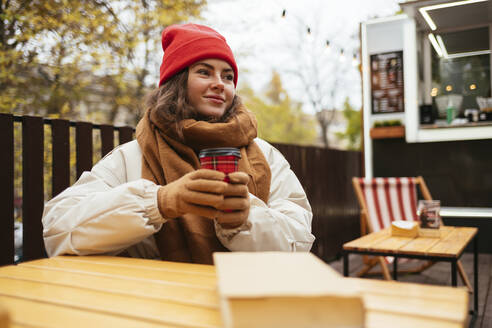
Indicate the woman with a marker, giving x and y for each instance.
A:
(149, 198)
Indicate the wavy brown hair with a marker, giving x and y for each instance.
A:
(171, 102)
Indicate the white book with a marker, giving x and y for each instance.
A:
(279, 289)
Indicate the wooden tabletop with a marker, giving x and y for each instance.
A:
(101, 291)
(451, 244)
(398, 304)
(109, 292)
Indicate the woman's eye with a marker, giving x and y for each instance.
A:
(202, 71)
(229, 77)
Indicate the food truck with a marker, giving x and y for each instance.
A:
(427, 106)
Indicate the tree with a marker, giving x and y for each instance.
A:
(64, 58)
(279, 118)
(321, 72)
(317, 57)
(353, 131)
(147, 20)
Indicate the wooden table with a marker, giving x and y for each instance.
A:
(449, 247)
(122, 292)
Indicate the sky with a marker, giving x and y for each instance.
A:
(262, 41)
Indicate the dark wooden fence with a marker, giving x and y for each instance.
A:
(33, 173)
(324, 173)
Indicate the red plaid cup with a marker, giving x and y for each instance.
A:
(220, 159)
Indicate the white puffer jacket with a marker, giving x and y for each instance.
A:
(111, 208)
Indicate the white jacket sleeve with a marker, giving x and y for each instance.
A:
(282, 224)
(101, 212)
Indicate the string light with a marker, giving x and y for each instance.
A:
(327, 48)
(342, 56)
(355, 62)
(328, 44)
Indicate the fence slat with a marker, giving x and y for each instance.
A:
(126, 134)
(60, 131)
(7, 189)
(107, 139)
(83, 146)
(32, 187)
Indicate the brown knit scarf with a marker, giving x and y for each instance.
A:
(166, 158)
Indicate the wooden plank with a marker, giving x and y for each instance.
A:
(107, 139)
(419, 245)
(166, 291)
(410, 290)
(7, 190)
(368, 240)
(446, 231)
(454, 244)
(125, 134)
(140, 308)
(391, 245)
(32, 187)
(450, 310)
(83, 147)
(27, 313)
(378, 319)
(129, 272)
(60, 130)
(138, 263)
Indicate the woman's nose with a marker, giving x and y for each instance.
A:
(217, 83)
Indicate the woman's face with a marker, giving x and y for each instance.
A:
(211, 87)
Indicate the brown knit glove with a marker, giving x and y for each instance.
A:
(234, 210)
(199, 192)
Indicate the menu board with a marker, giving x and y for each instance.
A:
(387, 82)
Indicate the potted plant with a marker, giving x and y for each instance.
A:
(387, 129)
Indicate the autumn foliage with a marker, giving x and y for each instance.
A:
(85, 59)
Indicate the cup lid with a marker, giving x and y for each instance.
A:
(222, 151)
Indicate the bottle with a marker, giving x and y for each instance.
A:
(449, 113)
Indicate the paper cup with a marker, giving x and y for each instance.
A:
(220, 159)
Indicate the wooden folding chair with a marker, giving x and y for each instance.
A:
(383, 200)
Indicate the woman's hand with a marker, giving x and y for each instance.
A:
(234, 210)
(199, 192)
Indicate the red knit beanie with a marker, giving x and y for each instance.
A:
(186, 44)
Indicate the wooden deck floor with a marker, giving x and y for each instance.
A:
(440, 274)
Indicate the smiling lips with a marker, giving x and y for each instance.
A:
(215, 99)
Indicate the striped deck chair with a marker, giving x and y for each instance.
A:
(383, 200)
